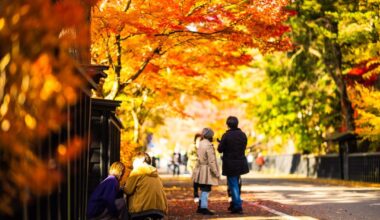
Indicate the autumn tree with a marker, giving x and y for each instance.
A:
(363, 86)
(342, 34)
(159, 50)
(37, 83)
(294, 101)
(361, 34)
(301, 94)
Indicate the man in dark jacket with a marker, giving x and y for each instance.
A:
(233, 145)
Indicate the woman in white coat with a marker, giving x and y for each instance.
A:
(206, 173)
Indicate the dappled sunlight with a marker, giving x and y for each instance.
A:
(182, 206)
(295, 193)
(298, 75)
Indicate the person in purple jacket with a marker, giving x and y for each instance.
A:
(107, 202)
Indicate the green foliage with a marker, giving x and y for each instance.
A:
(296, 101)
(301, 95)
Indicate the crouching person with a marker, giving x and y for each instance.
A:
(107, 202)
(144, 190)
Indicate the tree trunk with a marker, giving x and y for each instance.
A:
(333, 62)
(116, 85)
(136, 127)
(347, 109)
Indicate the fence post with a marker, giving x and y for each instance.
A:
(347, 144)
(105, 140)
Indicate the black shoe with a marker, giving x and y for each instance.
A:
(230, 207)
(199, 209)
(236, 211)
(206, 212)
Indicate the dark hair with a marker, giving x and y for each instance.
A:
(232, 122)
(197, 135)
(146, 157)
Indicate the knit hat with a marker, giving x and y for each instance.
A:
(207, 133)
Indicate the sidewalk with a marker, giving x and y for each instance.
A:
(299, 178)
(268, 196)
(181, 205)
(321, 198)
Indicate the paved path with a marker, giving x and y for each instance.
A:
(182, 206)
(320, 200)
(268, 197)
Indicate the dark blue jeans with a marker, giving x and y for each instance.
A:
(233, 184)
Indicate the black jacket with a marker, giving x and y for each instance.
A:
(233, 145)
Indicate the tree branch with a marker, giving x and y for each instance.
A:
(195, 9)
(118, 66)
(192, 32)
(128, 5)
(139, 71)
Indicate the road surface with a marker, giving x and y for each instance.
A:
(317, 199)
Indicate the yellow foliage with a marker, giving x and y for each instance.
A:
(367, 106)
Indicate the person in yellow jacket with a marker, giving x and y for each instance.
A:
(144, 190)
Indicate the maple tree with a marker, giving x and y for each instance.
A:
(40, 43)
(367, 108)
(160, 50)
(363, 86)
(151, 36)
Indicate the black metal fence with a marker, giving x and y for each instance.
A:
(105, 141)
(363, 167)
(69, 199)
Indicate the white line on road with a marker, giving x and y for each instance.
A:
(286, 216)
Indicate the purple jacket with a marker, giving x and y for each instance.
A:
(104, 197)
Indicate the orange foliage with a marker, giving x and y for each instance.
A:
(167, 48)
(188, 38)
(365, 73)
(37, 82)
(70, 150)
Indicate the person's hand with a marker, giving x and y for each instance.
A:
(220, 181)
(122, 187)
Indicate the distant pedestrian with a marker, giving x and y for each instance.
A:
(260, 161)
(185, 159)
(193, 163)
(107, 202)
(233, 145)
(206, 174)
(144, 190)
(154, 161)
(176, 163)
(250, 161)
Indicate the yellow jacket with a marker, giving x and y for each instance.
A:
(145, 192)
